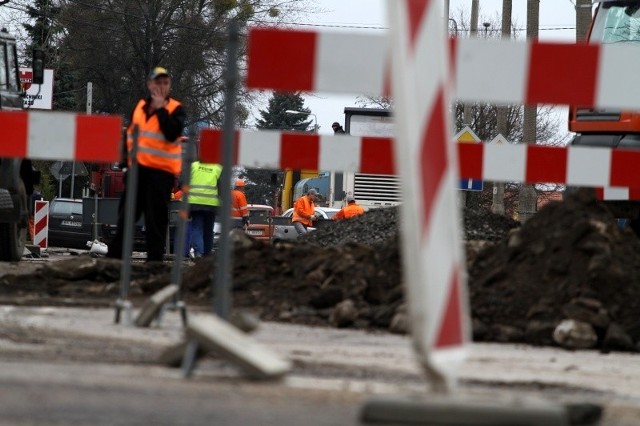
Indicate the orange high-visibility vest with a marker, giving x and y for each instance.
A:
(349, 211)
(153, 149)
(239, 206)
(303, 209)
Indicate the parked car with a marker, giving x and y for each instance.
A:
(260, 228)
(321, 212)
(284, 230)
(66, 227)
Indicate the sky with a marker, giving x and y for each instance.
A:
(348, 15)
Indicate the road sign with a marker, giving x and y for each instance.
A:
(466, 135)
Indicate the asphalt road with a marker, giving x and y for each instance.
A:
(76, 366)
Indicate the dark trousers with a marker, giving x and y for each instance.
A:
(202, 222)
(152, 200)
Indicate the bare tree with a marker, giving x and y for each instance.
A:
(528, 197)
(115, 43)
(497, 205)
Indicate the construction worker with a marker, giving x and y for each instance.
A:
(352, 209)
(203, 205)
(337, 128)
(304, 211)
(239, 206)
(160, 120)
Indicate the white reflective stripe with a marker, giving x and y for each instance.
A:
(153, 135)
(212, 187)
(201, 195)
(159, 152)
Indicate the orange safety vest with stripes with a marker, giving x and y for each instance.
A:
(239, 206)
(154, 150)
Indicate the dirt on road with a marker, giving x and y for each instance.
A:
(569, 262)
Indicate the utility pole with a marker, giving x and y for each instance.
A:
(466, 116)
(528, 196)
(497, 204)
(583, 19)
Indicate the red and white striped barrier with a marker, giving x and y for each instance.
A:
(282, 150)
(44, 135)
(618, 193)
(41, 224)
(432, 253)
(294, 60)
(578, 166)
(529, 72)
(613, 168)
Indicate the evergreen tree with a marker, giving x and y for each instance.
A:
(276, 117)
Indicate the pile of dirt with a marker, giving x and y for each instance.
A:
(569, 262)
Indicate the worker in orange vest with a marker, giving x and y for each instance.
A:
(352, 209)
(239, 205)
(304, 211)
(160, 120)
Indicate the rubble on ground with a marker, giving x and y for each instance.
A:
(566, 277)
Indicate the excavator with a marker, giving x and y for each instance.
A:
(17, 176)
(613, 22)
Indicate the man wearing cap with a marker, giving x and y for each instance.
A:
(304, 211)
(337, 128)
(352, 209)
(160, 122)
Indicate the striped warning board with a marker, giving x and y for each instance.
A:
(41, 224)
(432, 254)
(46, 135)
(575, 165)
(323, 61)
(578, 166)
(282, 150)
(347, 63)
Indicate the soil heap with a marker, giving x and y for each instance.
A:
(570, 261)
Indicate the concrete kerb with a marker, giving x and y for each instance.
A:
(435, 410)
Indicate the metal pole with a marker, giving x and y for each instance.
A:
(89, 97)
(222, 283)
(129, 220)
(182, 217)
(73, 179)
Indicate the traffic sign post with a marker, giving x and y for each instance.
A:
(466, 135)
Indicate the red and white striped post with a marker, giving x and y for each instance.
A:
(41, 224)
(432, 252)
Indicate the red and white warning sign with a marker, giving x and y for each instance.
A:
(432, 253)
(41, 224)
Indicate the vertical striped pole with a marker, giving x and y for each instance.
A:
(427, 162)
(41, 224)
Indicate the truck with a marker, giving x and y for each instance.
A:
(613, 22)
(106, 180)
(370, 190)
(17, 176)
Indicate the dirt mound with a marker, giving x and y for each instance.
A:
(569, 262)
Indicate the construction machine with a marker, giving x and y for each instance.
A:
(17, 176)
(613, 22)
